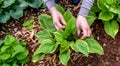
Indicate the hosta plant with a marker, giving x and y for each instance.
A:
(14, 8)
(64, 40)
(109, 12)
(13, 52)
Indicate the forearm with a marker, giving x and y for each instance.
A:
(50, 3)
(85, 7)
(84, 10)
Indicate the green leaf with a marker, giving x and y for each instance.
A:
(101, 5)
(23, 43)
(4, 48)
(35, 3)
(111, 28)
(5, 64)
(60, 9)
(42, 16)
(94, 46)
(67, 15)
(64, 46)
(80, 46)
(22, 3)
(112, 8)
(28, 22)
(91, 17)
(37, 57)
(111, 1)
(4, 17)
(1, 1)
(118, 18)
(43, 34)
(16, 12)
(25, 60)
(71, 26)
(59, 37)
(4, 56)
(46, 23)
(8, 39)
(64, 57)
(18, 49)
(62, 32)
(15, 64)
(7, 3)
(49, 44)
(22, 55)
(30, 27)
(95, 7)
(106, 15)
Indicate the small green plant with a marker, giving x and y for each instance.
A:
(14, 8)
(13, 52)
(109, 13)
(28, 24)
(50, 39)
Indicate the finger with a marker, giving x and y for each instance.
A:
(58, 26)
(78, 29)
(85, 34)
(89, 32)
(78, 32)
(62, 20)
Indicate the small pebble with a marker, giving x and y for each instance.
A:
(117, 59)
(104, 44)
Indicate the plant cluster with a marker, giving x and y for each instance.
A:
(28, 24)
(13, 52)
(109, 12)
(63, 41)
(14, 8)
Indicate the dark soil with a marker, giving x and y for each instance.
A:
(111, 46)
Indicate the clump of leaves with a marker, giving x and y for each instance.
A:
(109, 13)
(14, 8)
(50, 39)
(13, 52)
(28, 24)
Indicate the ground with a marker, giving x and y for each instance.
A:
(111, 46)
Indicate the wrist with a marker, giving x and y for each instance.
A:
(52, 9)
(80, 16)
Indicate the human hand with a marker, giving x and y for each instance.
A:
(83, 26)
(58, 19)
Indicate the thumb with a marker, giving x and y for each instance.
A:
(78, 31)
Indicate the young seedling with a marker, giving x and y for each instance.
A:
(28, 24)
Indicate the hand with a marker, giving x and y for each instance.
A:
(58, 19)
(83, 26)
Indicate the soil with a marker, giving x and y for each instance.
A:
(111, 46)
